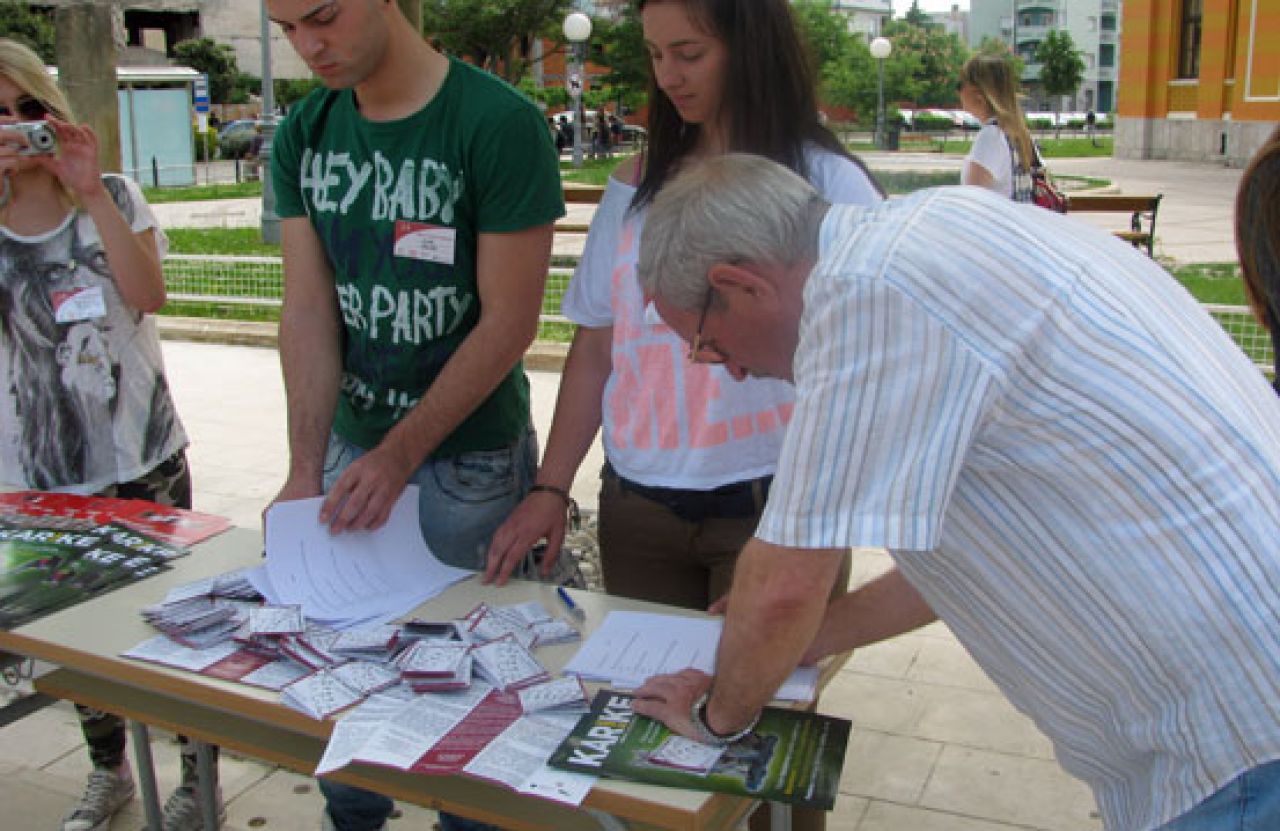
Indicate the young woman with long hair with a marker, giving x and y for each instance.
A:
(690, 450)
(1003, 153)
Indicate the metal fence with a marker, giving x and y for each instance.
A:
(1240, 324)
(225, 282)
(229, 283)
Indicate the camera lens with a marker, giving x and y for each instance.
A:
(41, 139)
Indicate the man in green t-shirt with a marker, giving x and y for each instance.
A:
(417, 196)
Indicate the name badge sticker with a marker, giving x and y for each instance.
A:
(419, 241)
(79, 304)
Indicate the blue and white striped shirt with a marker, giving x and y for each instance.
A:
(1072, 463)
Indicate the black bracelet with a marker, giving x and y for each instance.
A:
(560, 492)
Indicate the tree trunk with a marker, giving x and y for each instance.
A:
(86, 50)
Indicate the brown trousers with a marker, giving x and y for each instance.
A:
(649, 553)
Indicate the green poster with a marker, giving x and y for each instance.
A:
(791, 756)
(47, 564)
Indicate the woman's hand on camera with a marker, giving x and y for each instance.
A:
(76, 161)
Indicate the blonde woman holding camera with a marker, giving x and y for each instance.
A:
(84, 404)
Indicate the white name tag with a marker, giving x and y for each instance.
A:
(419, 241)
(81, 304)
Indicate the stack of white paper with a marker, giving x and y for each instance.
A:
(355, 577)
(631, 646)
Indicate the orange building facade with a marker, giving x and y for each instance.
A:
(1199, 79)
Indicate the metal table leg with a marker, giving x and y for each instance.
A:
(146, 773)
(206, 781)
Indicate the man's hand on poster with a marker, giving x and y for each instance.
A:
(669, 699)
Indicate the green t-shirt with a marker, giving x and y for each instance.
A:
(398, 206)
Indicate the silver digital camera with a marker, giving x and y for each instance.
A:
(41, 140)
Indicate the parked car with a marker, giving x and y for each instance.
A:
(237, 136)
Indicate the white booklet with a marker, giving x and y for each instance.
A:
(628, 647)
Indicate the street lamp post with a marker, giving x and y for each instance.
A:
(880, 49)
(577, 28)
(270, 219)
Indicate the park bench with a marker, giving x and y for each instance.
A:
(1141, 232)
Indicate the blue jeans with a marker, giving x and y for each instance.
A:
(462, 501)
(1250, 802)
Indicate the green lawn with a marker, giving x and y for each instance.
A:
(201, 193)
(592, 172)
(236, 241)
(1217, 283)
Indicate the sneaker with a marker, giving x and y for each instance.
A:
(182, 811)
(105, 793)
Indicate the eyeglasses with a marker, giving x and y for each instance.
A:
(28, 108)
(704, 351)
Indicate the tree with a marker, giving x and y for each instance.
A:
(940, 55)
(1061, 69)
(289, 90)
(218, 61)
(917, 17)
(825, 33)
(494, 34)
(20, 22)
(623, 51)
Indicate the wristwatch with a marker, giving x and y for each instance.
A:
(698, 715)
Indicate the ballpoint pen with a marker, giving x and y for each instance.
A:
(573, 608)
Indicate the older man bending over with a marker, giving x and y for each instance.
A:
(1069, 461)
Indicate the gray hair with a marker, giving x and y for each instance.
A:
(735, 208)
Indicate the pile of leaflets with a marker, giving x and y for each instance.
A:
(220, 627)
(49, 562)
(436, 665)
(528, 623)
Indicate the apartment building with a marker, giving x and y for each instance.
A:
(1094, 26)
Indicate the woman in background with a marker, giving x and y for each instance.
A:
(1003, 154)
(87, 408)
(1258, 238)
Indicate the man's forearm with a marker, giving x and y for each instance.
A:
(311, 363)
(578, 406)
(470, 376)
(883, 608)
(776, 605)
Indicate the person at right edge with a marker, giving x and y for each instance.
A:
(1003, 153)
(417, 197)
(1258, 239)
(690, 454)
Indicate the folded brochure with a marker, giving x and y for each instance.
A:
(791, 756)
